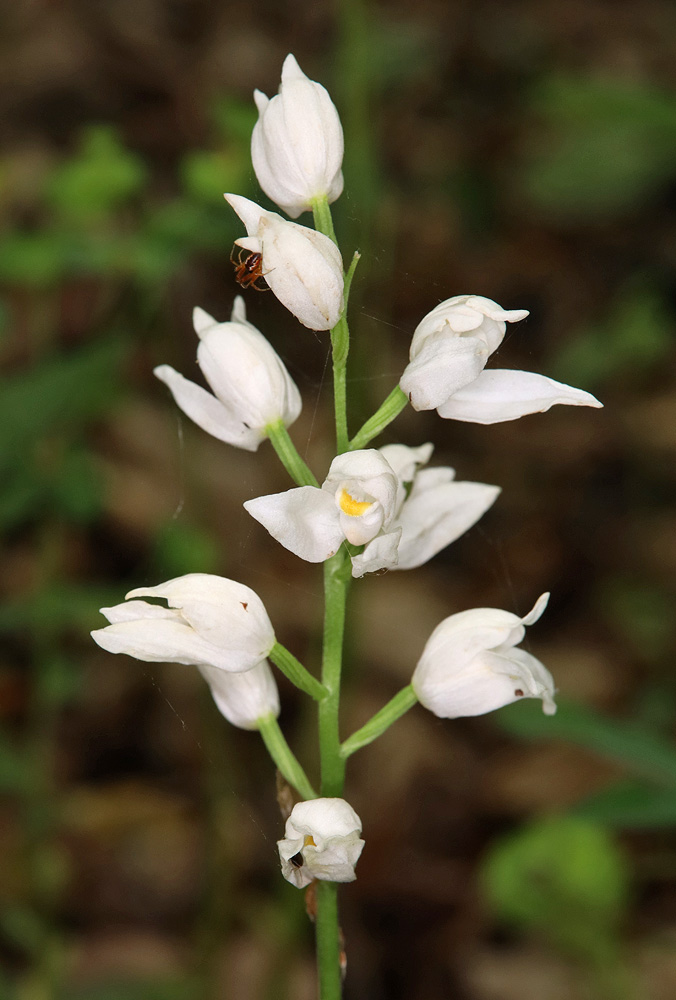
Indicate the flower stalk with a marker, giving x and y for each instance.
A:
(388, 411)
(283, 756)
(294, 670)
(381, 721)
(297, 468)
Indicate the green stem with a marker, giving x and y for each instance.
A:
(288, 455)
(384, 415)
(321, 214)
(337, 577)
(296, 672)
(382, 720)
(328, 942)
(281, 753)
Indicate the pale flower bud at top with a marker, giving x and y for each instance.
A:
(303, 268)
(321, 841)
(251, 386)
(297, 143)
(448, 354)
(470, 664)
(210, 622)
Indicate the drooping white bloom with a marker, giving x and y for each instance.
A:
(380, 500)
(250, 383)
(297, 143)
(302, 267)
(470, 664)
(449, 351)
(246, 697)
(321, 840)
(210, 622)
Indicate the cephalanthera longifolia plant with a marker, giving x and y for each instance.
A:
(376, 508)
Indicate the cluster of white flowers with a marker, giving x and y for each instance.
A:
(393, 513)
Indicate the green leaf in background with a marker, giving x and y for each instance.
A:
(66, 390)
(101, 177)
(634, 746)
(562, 877)
(603, 146)
(233, 119)
(629, 805)
(143, 989)
(181, 548)
(207, 174)
(14, 767)
(641, 613)
(58, 608)
(35, 260)
(636, 335)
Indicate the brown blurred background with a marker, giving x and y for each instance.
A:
(520, 150)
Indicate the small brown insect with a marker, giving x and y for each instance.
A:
(248, 269)
(297, 860)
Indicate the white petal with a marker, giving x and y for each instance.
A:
(322, 819)
(249, 212)
(536, 612)
(244, 698)
(497, 395)
(223, 612)
(163, 641)
(404, 461)
(305, 520)
(304, 269)
(248, 376)
(366, 475)
(208, 412)
(201, 320)
(381, 553)
(442, 367)
(431, 519)
(132, 611)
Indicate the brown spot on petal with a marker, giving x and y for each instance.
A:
(245, 604)
(518, 693)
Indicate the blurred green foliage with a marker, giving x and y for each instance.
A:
(562, 878)
(602, 146)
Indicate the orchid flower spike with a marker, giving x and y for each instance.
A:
(251, 387)
(378, 499)
(297, 143)
(470, 664)
(246, 697)
(321, 840)
(302, 267)
(210, 622)
(448, 354)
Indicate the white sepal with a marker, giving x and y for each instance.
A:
(210, 621)
(244, 698)
(297, 143)
(498, 395)
(321, 841)
(470, 665)
(251, 385)
(303, 268)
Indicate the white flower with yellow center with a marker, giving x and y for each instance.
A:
(321, 841)
(377, 499)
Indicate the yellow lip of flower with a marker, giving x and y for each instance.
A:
(309, 841)
(352, 507)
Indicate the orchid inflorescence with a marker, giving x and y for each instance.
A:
(377, 508)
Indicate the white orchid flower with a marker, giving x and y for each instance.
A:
(321, 841)
(449, 351)
(367, 499)
(210, 622)
(251, 387)
(297, 143)
(470, 664)
(303, 268)
(244, 698)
